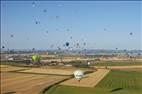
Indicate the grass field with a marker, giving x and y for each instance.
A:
(118, 63)
(116, 82)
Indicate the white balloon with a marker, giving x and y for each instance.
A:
(78, 74)
(88, 63)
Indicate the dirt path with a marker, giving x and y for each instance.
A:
(91, 80)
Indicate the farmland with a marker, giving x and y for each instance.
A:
(28, 80)
(26, 83)
(118, 63)
(90, 80)
(7, 68)
(48, 71)
(116, 82)
(120, 77)
(23, 83)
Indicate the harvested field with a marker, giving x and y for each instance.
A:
(26, 83)
(7, 68)
(53, 70)
(48, 71)
(91, 80)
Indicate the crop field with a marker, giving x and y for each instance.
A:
(68, 71)
(18, 83)
(116, 82)
(118, 63)
(8, 68)
(120, 67)
(48, 71)
(126, 79)
(90, 80)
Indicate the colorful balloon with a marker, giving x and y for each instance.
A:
(36, 58)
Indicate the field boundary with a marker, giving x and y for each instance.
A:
(91, 80)
(47, 88)
(39, 73)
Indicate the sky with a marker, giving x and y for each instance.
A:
(91, 24)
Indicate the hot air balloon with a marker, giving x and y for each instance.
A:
(11, 36)
(36, 58)
(68, 29)
(44, 10)
(33, 4)
(3, 47)
(105, 29)
(57, 17)
(52, 46)
(37, 22)
(131, 33)
(67, 44)
(79, 74)
(33, 49)
(77, 45)
(71, 37)
(88, 63)
(84, 43)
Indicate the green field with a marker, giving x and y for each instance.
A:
(116, 82)
(117, 63)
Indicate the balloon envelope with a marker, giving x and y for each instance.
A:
(11, 35)
(67, 43)
(78, 74)
(131, 33)
(36, 58)
(3, 47)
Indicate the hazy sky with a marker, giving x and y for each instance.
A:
(101, 25)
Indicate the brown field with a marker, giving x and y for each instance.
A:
(20, 83)
(22, 80)
(34, 80)
(48, 71)
(53, 70)
(7, 68)
(91, 80)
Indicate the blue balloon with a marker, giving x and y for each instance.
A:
(131, 33)
(67, 43)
